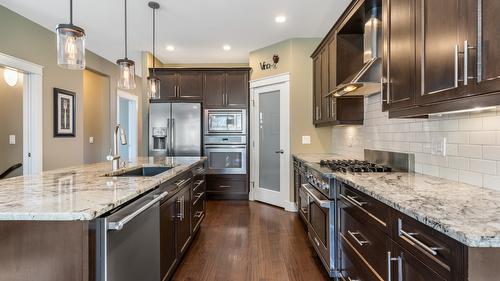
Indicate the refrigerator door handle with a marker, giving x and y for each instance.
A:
(173, 136)
(167, 145)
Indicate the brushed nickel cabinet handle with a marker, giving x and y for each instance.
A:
(354, 236)
(411, 237)
(355, 201)
(390, 259)
(456, 66)
(224, 186)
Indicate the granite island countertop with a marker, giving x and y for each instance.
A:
(467, 213)
(81, 192)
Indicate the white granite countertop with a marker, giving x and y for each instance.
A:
(81, 192)
(466, 213)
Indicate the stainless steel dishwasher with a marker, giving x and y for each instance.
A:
(129, 241)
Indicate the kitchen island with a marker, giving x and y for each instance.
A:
(454, 227)
(51, 224)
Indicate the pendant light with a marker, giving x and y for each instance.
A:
(153, 80)
(127, 67)
(70, 44)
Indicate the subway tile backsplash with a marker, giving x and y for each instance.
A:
(472, 142)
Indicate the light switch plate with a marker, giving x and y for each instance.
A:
(91, 139)
(12, 139)
(306, 139)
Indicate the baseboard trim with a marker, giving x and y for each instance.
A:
(290, 206)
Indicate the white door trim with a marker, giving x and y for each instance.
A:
(282, 83)
(122, 94)
(32, 112)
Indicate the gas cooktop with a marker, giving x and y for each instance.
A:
(357, 166)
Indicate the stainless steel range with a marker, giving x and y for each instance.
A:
(317, 197)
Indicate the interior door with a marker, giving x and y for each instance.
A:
(270, 145)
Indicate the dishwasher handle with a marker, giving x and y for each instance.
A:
(118, 225)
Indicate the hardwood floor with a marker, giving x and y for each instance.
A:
(241, 240)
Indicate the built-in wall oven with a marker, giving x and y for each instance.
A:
(226, 154)
(225, 121)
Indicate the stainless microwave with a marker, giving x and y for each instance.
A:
(225, 121)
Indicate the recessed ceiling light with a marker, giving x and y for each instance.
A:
(280, 19)
(226, 47)
(170, 48)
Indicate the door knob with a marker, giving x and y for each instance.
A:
(281, 151)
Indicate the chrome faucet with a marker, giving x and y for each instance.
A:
(115, 157)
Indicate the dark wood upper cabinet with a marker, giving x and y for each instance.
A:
(317, 90)
(437, 44)
(483, 41)
(190, 85)
(237, 89)
(399, 53)
(457, 64)
(226, 89)
(214, 88)
(168, 85)
(325, 85)
(179, 85)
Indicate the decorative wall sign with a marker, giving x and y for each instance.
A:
(64, 113)
(267, 65)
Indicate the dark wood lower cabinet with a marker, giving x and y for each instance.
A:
(168, 255)
(227, 187)
(404, 250)
(184, 220)
(407, 267)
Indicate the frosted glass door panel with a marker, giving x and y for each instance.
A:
(269, 140)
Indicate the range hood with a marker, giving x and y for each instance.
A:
(366, 81)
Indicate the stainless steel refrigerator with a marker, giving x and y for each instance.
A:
(175, 129)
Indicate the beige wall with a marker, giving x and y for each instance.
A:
(204, 65)
(11, 116)
(26, 40)
(295, 59)
(96, 116)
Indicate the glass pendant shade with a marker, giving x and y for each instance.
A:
(153, 88)
(127, 74)
(70, 47)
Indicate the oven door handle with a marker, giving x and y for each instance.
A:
(227, 146)
(322, 203)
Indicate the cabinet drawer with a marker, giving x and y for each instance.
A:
(198, 213)
(371, 243)
(199, 185)
(364, 208)
(226, 185)
(353, 267)
(437, 250)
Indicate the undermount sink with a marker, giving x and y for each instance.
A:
(141, 172)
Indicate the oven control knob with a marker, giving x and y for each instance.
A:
(325, 186)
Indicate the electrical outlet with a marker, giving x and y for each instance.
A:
(438, 146)
(12, 139)
(91, 139)
(351, 141)
(306, 139)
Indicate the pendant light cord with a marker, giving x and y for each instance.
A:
(126, 39)
(71, 12)
(154, 39)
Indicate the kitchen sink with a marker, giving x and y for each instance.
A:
(141, 172)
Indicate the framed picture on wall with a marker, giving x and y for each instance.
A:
(64, 113)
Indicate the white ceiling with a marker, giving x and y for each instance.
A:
(197, 28)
